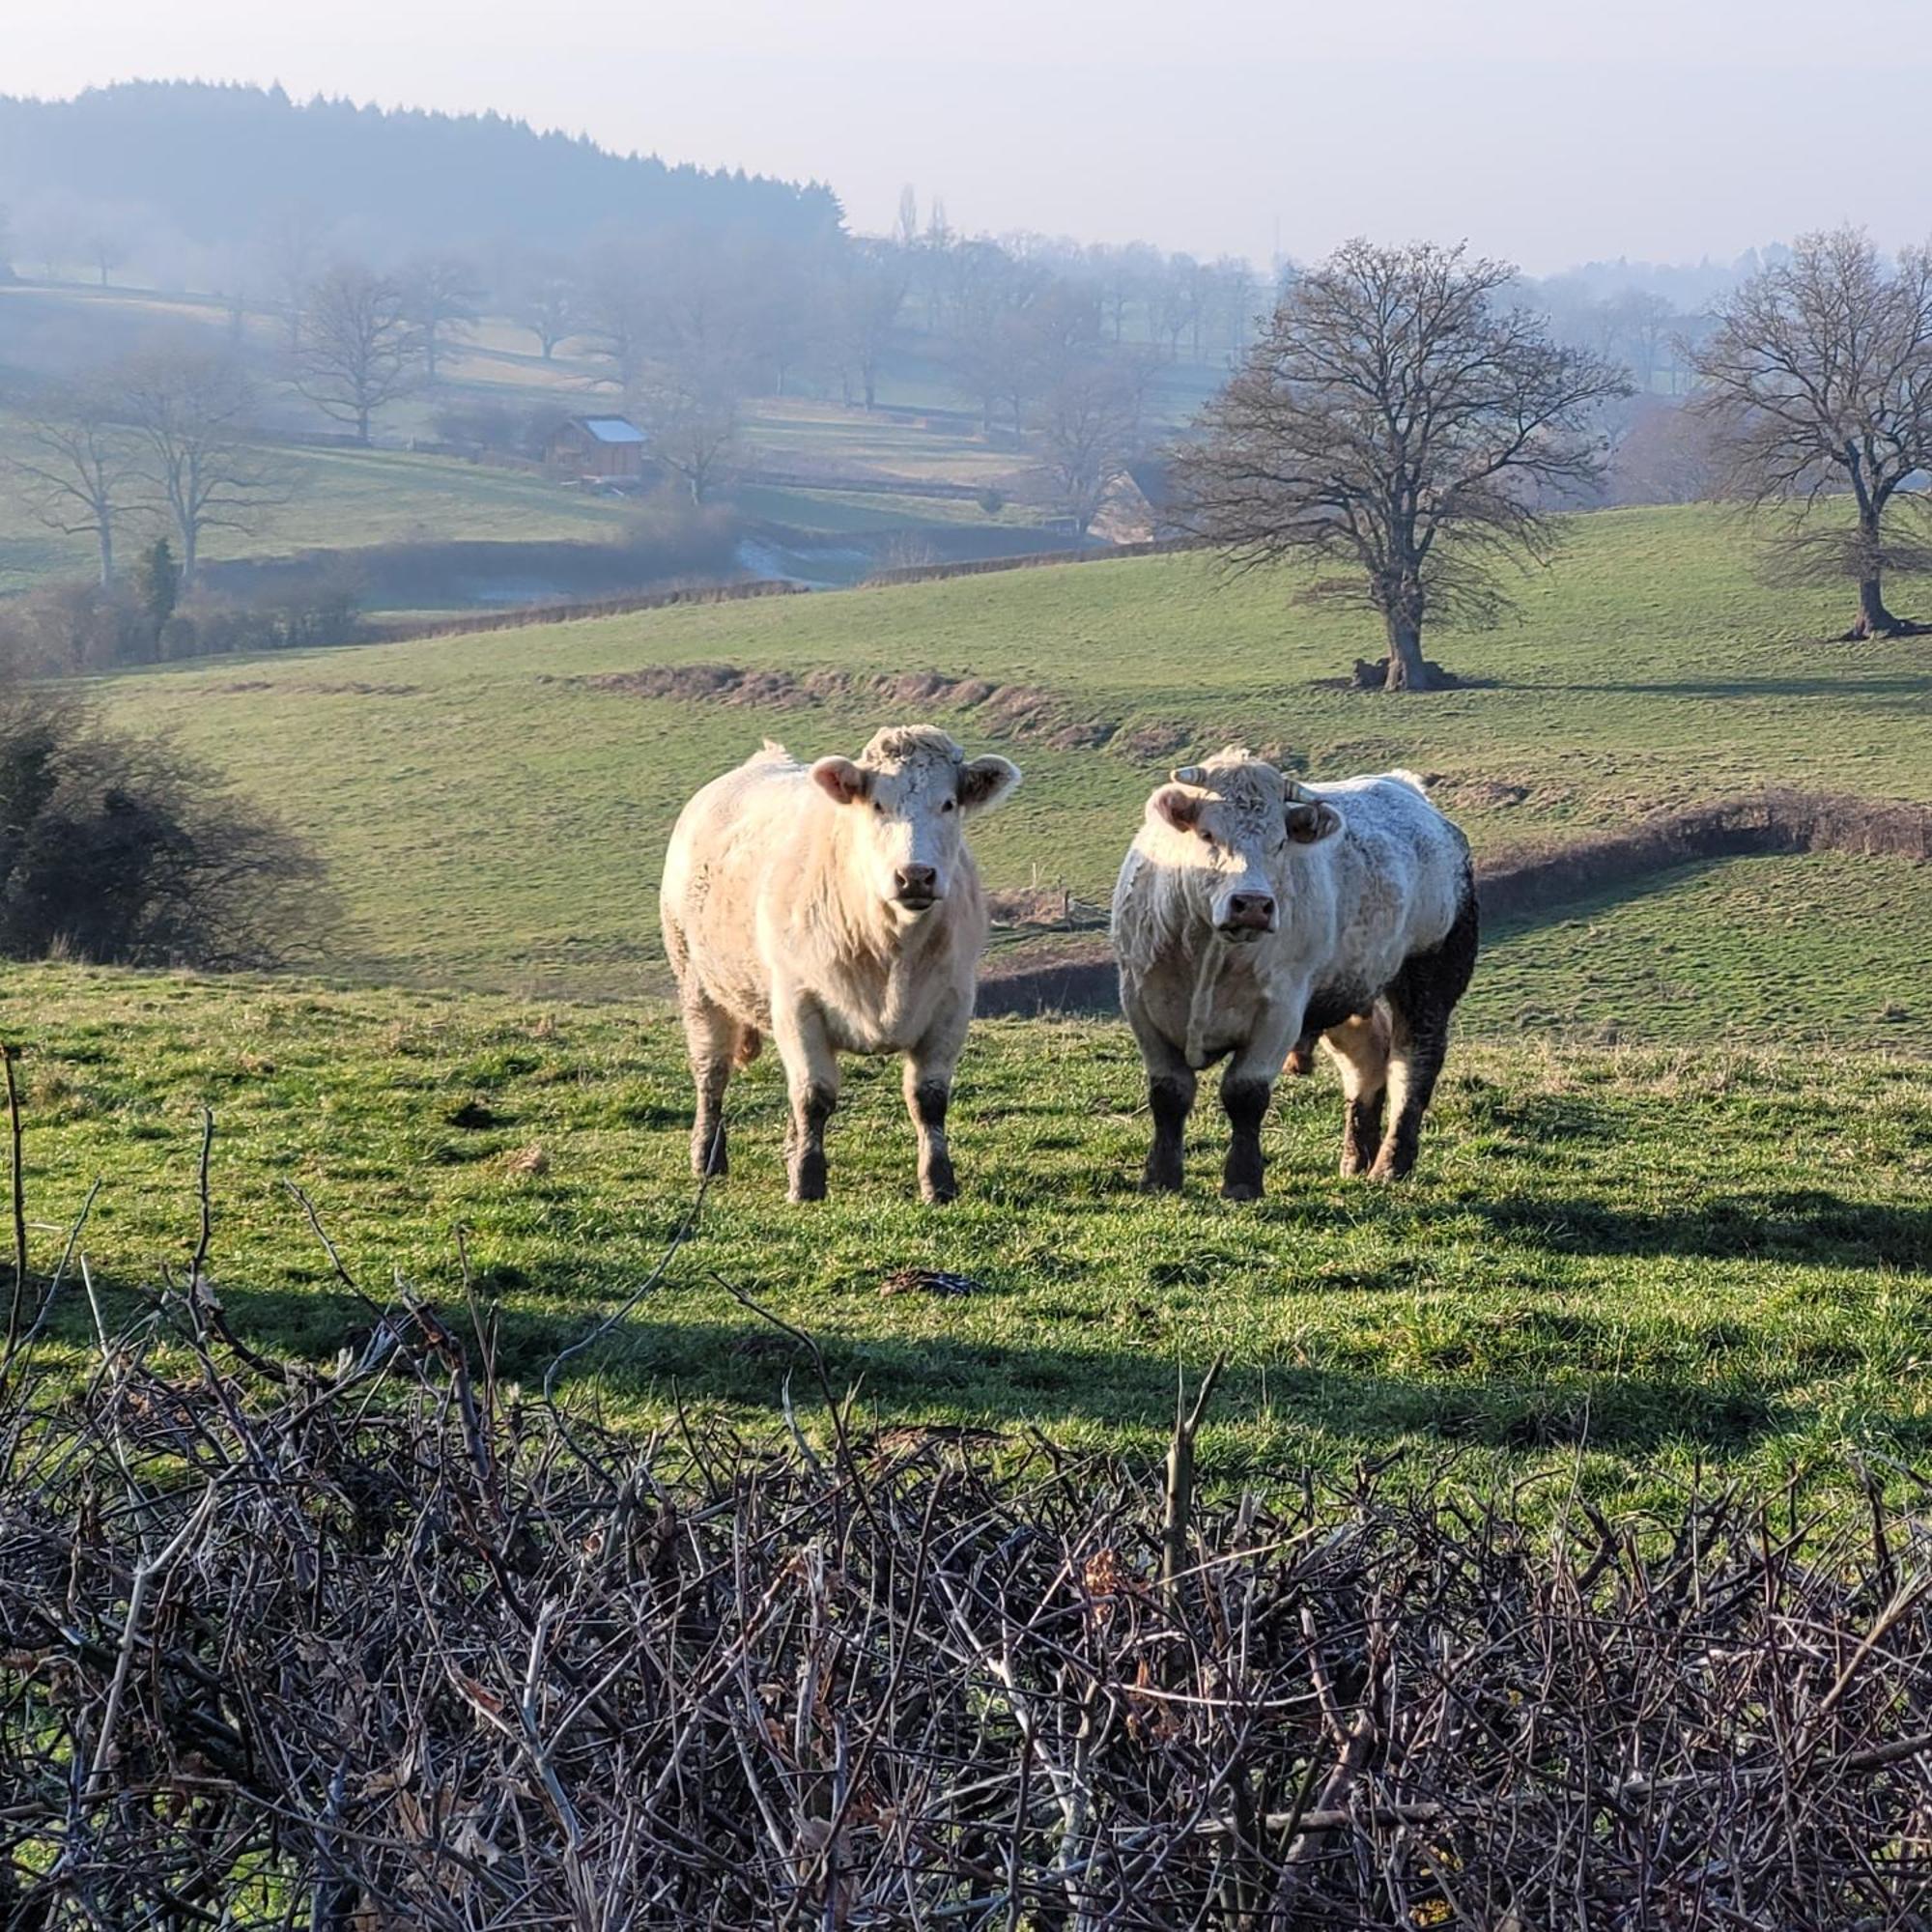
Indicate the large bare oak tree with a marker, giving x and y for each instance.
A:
(1399, 416)
(1817, 384)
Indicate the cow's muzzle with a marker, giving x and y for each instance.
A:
(915, 888)
(1247, 917)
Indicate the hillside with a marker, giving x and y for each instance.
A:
(1669, 1217)
(495, 807)
(218, 164)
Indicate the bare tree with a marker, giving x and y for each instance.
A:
(440, 299)
(874, 292)
(106, 247)
(192, 416)
(691, 413)
(615, 313)
(291, 249)
(1661, 456)
(1817, 382)
(1395, 417)
(549, 306)
(79, 465)
(1088, 425)
(358, 346)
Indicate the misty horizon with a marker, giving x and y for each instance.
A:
(1655, 129)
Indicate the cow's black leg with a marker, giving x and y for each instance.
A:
(1245, 1100)
(811, 1074)
(810, 1110)
(1360, 1048)
(1170, 1100)
(1421, 999)
(710, 1035)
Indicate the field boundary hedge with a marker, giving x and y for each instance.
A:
(398, 1642)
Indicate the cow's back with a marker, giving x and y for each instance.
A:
(1400, 872)
(729, 841)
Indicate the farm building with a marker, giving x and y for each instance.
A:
(608, 448)
(1136, 506)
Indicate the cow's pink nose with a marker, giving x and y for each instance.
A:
(916, 882)
(1250, 912)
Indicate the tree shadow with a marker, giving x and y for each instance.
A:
(1806, 1225)
(1851, 683)
(923, 1380)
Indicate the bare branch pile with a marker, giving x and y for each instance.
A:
(389, 1645)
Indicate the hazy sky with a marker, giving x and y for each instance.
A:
(1547, 131)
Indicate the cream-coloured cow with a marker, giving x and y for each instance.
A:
(1253, 913)
(836, 907)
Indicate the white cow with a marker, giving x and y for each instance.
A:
(1253, 911)
(837, 908)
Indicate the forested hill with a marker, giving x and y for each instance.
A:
(219, 164)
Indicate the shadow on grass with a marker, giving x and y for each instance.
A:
(1790, 1224)
(925, 1380)
(1851, 683)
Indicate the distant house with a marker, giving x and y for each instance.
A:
(1138, 506)
(610, 448)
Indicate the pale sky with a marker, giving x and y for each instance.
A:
(1548, 131)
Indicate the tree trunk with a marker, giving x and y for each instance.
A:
(1406, 670)
(1874, 619)
(106, 533)
(1400, 596)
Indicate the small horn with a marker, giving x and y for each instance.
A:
(1295, 792)
(1186, 775)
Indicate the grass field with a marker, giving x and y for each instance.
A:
(1675, 1206)
(1622, 1262)
(341, 499)
(495, 822)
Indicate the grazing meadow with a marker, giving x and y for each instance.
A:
(1674, 1208)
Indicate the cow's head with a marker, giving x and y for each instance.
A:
(906, 796)
(1232, 825)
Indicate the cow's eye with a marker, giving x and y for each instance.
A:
(1207, 839)
(878, 808)
(947, 806)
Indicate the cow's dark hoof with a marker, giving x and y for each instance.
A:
(937, 1192)
(1162, 1181)
(808, 1178)
(1241, 1190)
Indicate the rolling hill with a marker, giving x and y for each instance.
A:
(1671, 1215)
(493, 806)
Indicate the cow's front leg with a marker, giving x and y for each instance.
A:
(1246, 1088)
(1171, 1085)
(812, 1077)
(929, 1094)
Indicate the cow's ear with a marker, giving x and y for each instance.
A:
(1177, 806)
(1309, 823)
(841, 781)
(984, 782)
